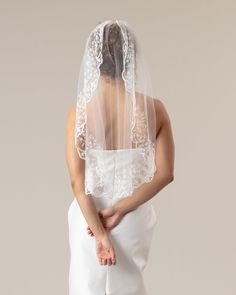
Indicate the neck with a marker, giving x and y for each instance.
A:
(110, 84)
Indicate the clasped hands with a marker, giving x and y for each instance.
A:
(109, 216)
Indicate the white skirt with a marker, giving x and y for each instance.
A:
(131, 239)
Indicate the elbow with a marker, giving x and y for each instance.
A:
(76, 187)
(169, 177)
(74, 184)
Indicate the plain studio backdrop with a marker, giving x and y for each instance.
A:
(190, 48)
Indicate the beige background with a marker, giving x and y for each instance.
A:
(190, 46)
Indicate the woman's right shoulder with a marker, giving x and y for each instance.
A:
(161, 110)
(162, 116)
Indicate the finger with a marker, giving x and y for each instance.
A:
(109, 261)
(113, 260)
(107, 224)
(103, 222)
(91, 234)
(100, 215)
(113, 256)
(106, 212)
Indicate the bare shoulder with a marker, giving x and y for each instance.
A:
(161, 111)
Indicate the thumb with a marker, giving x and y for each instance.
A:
(106, 212)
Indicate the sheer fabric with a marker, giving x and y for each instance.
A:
(115, 112)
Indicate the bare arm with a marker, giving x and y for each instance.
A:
(164, 162)
(76, 167)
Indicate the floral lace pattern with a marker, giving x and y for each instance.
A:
(104, 179)
(91, 76)
(99, 180)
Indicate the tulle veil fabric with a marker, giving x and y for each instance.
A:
(115, 112)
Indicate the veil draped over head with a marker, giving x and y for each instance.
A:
(115, 131)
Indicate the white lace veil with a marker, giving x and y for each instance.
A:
(115, 130)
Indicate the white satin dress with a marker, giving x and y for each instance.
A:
(131, 239)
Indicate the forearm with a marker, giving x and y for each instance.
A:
(89, 211)
(143, 193)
